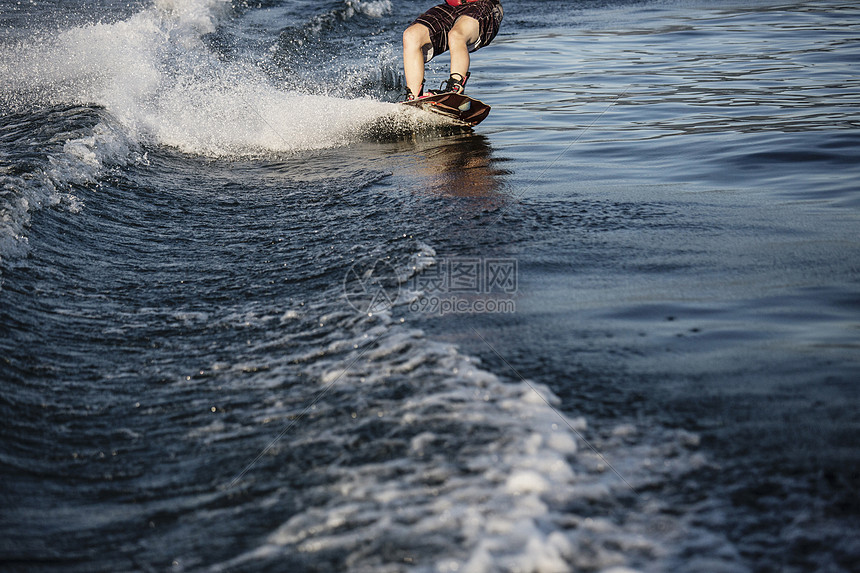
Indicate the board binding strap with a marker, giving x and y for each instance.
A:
(458, 107)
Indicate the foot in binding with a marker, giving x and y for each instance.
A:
(456, 84)
(409, 96)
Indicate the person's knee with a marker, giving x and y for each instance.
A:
(464, 32)
(414, 37)
(456, 37)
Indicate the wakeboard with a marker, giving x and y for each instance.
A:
(458, 107)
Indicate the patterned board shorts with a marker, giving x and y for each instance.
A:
(440, 19)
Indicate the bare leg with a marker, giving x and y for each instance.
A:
(462, 35)
(416, 39)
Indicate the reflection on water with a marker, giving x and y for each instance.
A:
(461, 167)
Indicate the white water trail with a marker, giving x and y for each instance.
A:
(154, 74)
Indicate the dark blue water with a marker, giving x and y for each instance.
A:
(252, 317)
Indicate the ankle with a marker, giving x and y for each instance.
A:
(457, 82)
(411, 95)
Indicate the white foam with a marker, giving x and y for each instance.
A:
(21, 195)
(372, 8)
(503, 505)
(15, 207)
(218, 117)
(83, 160)
(79, 161)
